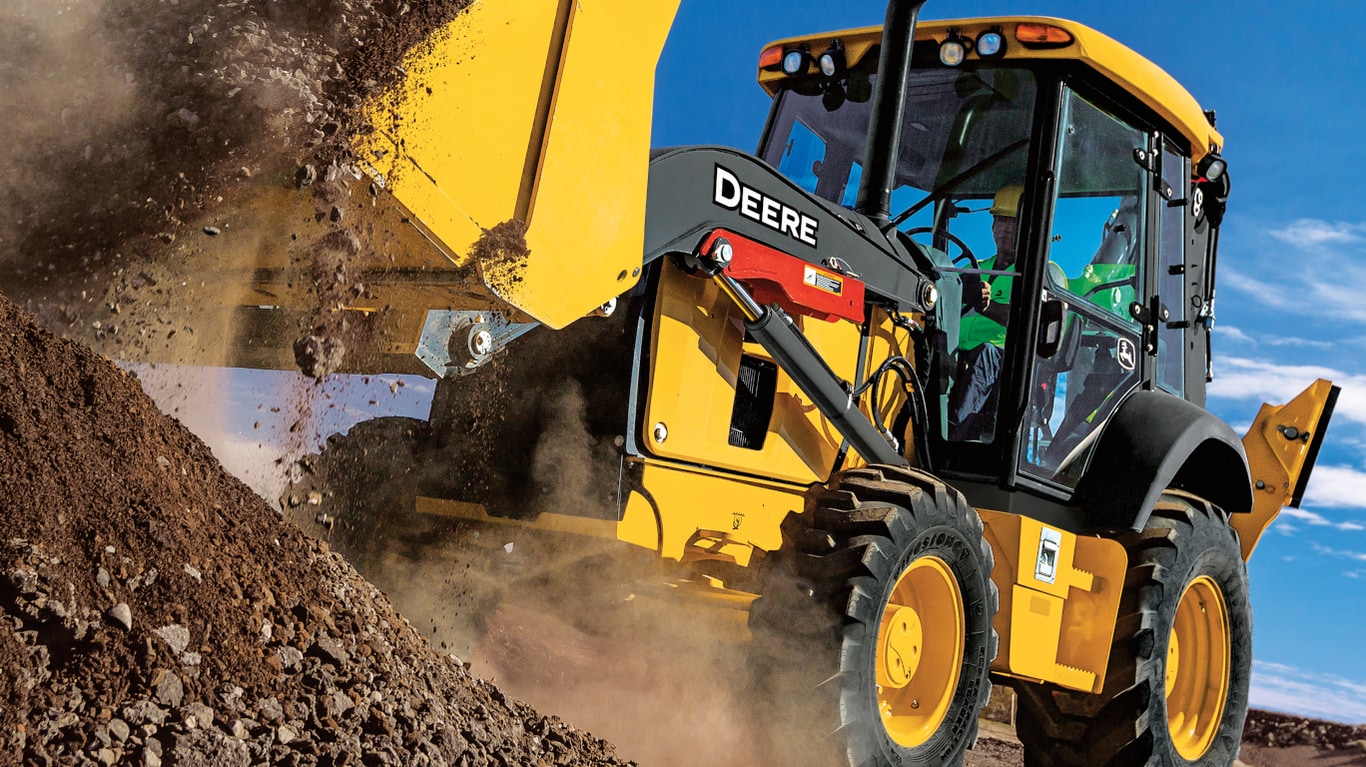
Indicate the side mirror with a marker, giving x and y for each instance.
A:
(1051, 319)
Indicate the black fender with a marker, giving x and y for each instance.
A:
(1156, 441)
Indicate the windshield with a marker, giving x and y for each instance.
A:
(965, 137)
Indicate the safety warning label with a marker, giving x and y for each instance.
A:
(823, 280)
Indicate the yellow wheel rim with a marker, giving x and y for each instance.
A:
(919, 651)
(1197, 668)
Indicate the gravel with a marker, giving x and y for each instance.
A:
(236, 639)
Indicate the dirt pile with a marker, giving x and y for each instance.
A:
(1265, 728)
(154, 611)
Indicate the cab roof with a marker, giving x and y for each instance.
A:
(1108, 57)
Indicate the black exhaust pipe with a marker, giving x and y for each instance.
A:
(889, 106)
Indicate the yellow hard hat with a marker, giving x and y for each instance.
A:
(1007, 201)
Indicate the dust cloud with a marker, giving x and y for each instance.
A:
(604, 633)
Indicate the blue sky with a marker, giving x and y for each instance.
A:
(1288, 83)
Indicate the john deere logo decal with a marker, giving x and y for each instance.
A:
(732, 194)
(1125, 354)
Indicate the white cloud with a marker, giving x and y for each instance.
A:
(1319, 520)
(1279, 687)
(1230, 333)
(1300, 342)
(1313, 232)
(1332, 552)
(1238, 378)
(1322, 275)
(1336, 487)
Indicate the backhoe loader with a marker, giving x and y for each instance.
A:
(917, 387)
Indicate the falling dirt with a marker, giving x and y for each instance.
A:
(501, 253)
(139, 135)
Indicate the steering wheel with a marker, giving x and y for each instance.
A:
(964, 252)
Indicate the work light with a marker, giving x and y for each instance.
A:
(832, 61)
(990, 44)
(795, 61)
(952, 52)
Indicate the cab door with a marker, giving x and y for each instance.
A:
(1090, 352)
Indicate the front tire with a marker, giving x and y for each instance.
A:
(1176, 690)
(873, 637)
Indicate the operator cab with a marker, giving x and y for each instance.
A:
(1059, 207)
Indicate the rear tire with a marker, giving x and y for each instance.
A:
(886, 568)
(1176, 690)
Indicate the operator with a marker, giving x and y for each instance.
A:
(982, 331)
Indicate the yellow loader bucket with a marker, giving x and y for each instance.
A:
(538, 111)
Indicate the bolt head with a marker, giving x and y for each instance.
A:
(481, 342)
(722, 252)
(660, 433)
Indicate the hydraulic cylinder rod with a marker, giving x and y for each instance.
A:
(774, 330)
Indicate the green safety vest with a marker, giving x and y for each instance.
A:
(976, 329)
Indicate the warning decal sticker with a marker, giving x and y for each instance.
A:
(821, 280)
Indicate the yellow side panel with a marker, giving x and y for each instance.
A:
(1278, 446)
(1059, 601)
(696, 352)
(538, 110)
(747, 512)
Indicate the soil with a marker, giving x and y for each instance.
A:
(155, 611)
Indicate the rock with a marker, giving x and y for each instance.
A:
(144, 712)
(169, 689)
(290, 657)
(270, 709)
(102, 578)
(194, 573)
(107, 757)
(199, 713)
(209, 748)
(319, 356)
(176, 636)
(119, 729)
(1359, 745)
(286, 734)
(212, 231)
(305, 176)
(330, 649)
(122, 616)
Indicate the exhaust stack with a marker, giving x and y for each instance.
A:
(889, 105)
